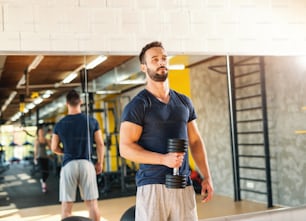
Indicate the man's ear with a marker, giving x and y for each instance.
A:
(143, 68)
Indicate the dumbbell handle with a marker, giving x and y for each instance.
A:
(176, 171)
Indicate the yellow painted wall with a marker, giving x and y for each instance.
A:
(112, 150)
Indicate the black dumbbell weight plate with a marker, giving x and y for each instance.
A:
(176, 149)
(176, 186)
(179, 178)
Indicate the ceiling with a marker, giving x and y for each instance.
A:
(19, 80)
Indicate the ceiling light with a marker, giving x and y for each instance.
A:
(16, 116)
(127, 82)
(8, 101)
(21, 81)
(176, 67)
(30, 106)
(95, 62)
(70, 77)
(105, 92)
(47, 94)
(35, 62)
(38, 100)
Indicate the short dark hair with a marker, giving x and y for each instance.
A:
(73, 98)
(147, 47)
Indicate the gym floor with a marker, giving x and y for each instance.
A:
(22, 199)
(112, 209)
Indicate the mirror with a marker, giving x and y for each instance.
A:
(204, 79)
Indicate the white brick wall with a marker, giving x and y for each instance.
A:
(265, 27)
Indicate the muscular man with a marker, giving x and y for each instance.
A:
(153, 116)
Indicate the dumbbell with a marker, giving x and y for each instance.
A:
(176, 180)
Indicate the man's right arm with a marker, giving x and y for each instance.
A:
(55, 145)
(131, 150)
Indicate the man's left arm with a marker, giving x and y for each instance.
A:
(100, 151)
(198, 152)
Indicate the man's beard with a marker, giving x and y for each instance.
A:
(155, 76)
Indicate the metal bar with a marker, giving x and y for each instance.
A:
(87, 111)
(249, 97)
(253, 179)
(37, 117)
(204, 61)
(266, 136)
(249, 121)
(216, 70)
(251, 144)
(250, 108)
(248, 58)
(254, 191)
(247, 85)
(251, 156)
(106, 132)
(251, 132)
(252, 168)
(248, 64)
(233, 127)
(247, 74)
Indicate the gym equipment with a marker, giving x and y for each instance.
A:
(76, 218)
(176, 180)
(129, 214)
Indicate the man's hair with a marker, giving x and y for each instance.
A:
(147, 47)
(73, 98)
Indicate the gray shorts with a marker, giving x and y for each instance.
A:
(156, 202)
(78, 173)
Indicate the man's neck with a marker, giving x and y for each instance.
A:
(72, 111)
(160, 90)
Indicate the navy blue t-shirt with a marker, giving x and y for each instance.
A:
(159, 122)
(73, 133)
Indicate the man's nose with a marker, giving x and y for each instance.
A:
(162, 63)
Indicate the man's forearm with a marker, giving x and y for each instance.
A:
(58, 151)
(100, 153)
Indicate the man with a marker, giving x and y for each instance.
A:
(154, 115)
(76, 132)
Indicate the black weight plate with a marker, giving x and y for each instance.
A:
(176, 186)
(176, 181)
(177, 142)
(177, 139)
(176, 177)
(176, 149)
(177, 145)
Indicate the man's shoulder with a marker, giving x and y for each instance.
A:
(141, 98)
(179, 95)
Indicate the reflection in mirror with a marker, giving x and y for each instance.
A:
(284, 99)
(231, 112)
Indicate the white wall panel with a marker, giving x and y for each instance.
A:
(224, 26)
